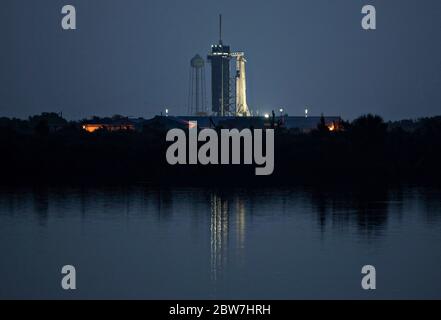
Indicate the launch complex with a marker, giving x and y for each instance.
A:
(225, 100)
(229, 106)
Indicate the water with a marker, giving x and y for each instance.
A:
(201, 243)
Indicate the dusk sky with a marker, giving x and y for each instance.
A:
(131, 57)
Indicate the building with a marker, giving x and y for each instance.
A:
(297, 124)
(115, 123)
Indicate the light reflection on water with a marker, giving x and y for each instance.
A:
(140, 242)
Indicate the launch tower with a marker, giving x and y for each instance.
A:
(220, 75)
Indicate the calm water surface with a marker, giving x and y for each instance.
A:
(202, 243)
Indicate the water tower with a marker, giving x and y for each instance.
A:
(197, 97)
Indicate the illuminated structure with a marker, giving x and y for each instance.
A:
(220, 76)
(219, 58)
(115, 123)
(91, 127)
(241, 88)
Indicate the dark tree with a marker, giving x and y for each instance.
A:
(42, 128)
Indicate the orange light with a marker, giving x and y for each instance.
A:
(92, 127)
(95, 127)
(191, 125)
(331, 127)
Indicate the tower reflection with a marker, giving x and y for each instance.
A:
(219, 234)
(226, 220)
(240, 226)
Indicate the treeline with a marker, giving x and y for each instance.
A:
(47, 148)
(367, 149)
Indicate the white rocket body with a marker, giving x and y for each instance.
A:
(241, 88)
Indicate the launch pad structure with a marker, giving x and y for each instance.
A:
(224, 100)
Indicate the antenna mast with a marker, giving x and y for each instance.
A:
(220, 29)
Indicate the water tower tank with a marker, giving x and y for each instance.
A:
(197, 62)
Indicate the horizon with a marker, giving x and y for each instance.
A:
(172, 115)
